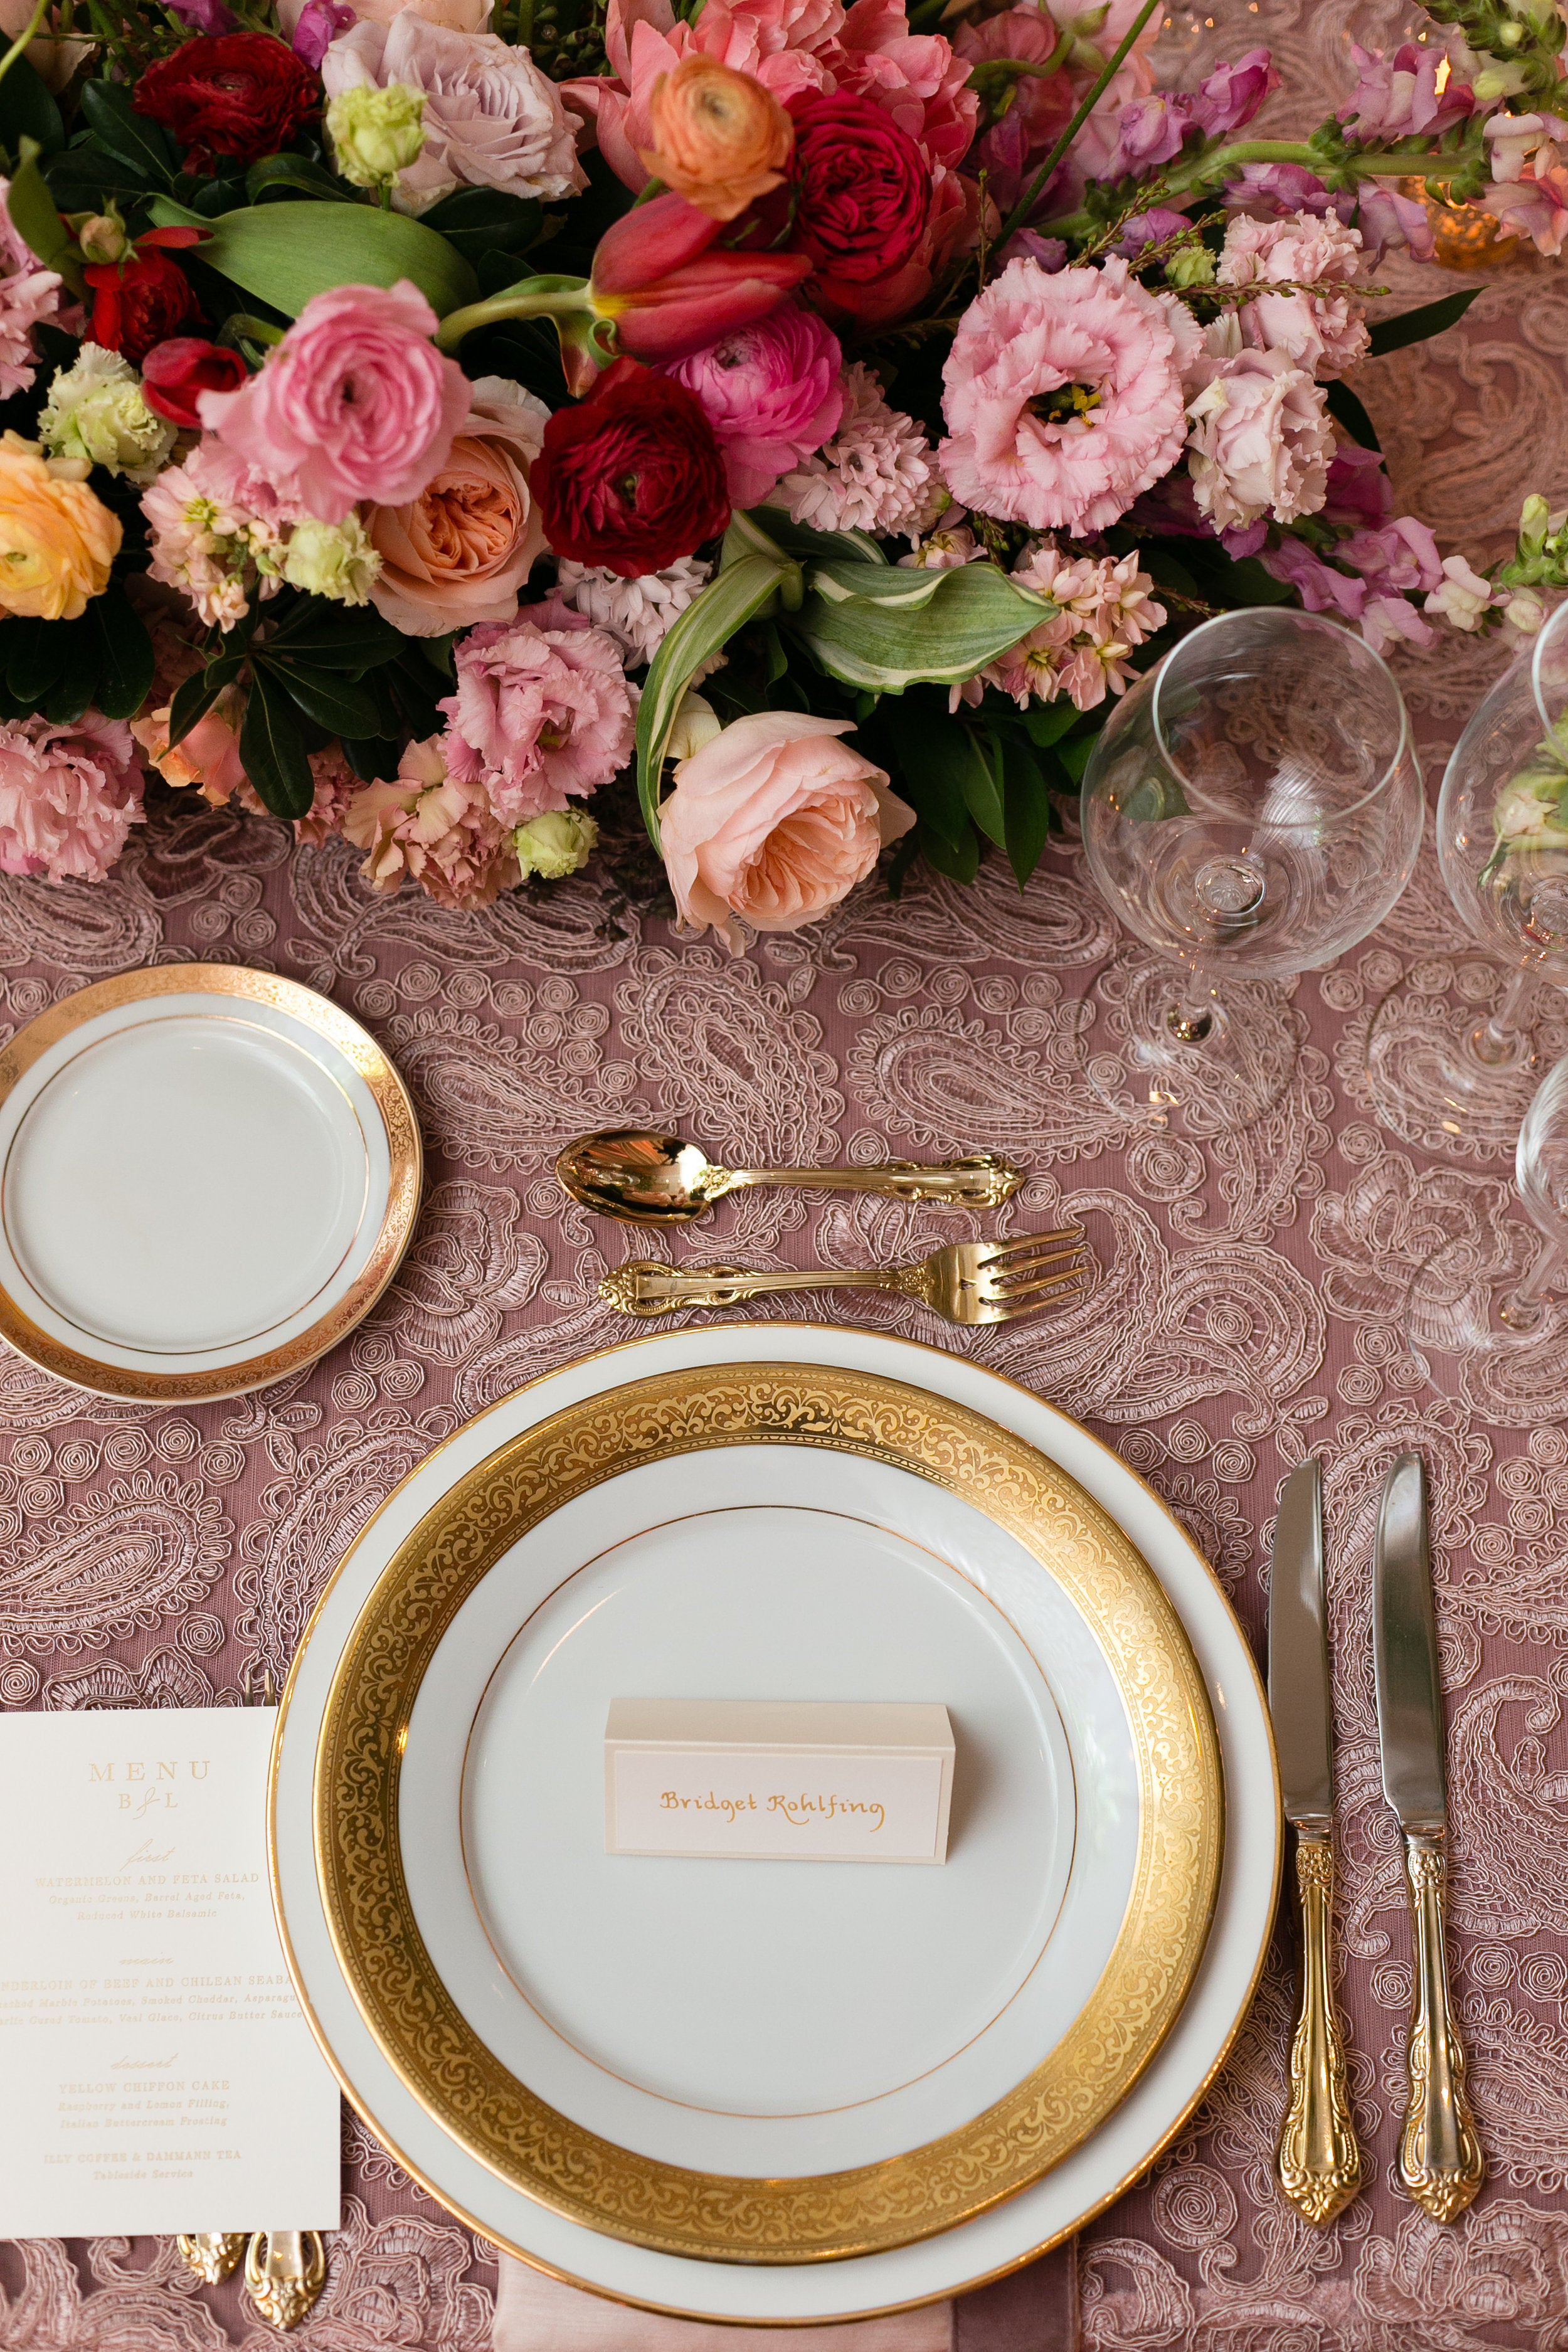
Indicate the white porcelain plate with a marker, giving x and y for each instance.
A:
(644, 1999)
(208, 1175)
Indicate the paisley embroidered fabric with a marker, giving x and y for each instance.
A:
(1250, 1312)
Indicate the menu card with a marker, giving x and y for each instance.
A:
(159, 2073)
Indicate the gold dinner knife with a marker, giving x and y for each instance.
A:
(1318, 2162)
(1440, 2160)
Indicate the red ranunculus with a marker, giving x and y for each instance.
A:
(631, 479)
(243, 94)
(863, 190)
(174, 374)
(145, 299)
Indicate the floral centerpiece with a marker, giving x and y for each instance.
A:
(421, 421)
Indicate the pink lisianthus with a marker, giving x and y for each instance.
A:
(354, 403)
(69, 796)
(771, 394)
(28, 295)
(432, 828)
(774, 821)
(1063, 397)
(542, 713)
(878, 473)
(1398, 97)
(1324, 333)
(1261, 442)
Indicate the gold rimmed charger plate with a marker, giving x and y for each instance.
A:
(349, 1063)
(461, 2084)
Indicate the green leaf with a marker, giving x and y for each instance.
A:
(982, 784)
(1028, 802)
(961, 861)
(76, 683)
(35, 219)
(808, 546)
(107, 110)
(352, 638)
(1045, 723)
(34, 656)
(971, 614)
(83, 177)
(741, 591)
(276, 174)
(1074, 756)
(483, 221)
(1346, 409)
(273, 750)
(333, 701)
(373, 762)
(930, 755)
(27, 110)
(125, 655)
(195, 698)
(286, 253)
(1420, 325)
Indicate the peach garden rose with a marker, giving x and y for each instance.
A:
(773, 821)
(462, 550)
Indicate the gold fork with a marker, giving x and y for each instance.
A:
(968, 1282)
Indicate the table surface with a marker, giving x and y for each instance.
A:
(1249, 1314)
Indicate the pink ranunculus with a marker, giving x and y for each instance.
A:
(1324, 333)
(1261, 442)
(69, 796)
(425, 825)
(1063, 397)
(774, 821)
(771, 394)
(542, 713)
(354, 403)
(491, 118)
(1398, 97)
(1232, 94)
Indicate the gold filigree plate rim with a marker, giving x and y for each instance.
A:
(406, 1176)
(589, 2180)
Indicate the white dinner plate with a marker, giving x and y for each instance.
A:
(515, 1692)
(208, 1176)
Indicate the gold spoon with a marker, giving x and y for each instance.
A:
(658, 1180)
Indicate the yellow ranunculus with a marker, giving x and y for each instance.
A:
(58, 539)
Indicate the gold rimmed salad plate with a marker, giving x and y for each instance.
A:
(746, 2063)
(207, 1177)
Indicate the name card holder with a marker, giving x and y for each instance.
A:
(775, 1780)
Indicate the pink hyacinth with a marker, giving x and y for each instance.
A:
(1063, 397)
(427, 826)
(69, 796)
(28, 295)
(542, 714)
(771, 395)
(878, 472)
(1324, 333)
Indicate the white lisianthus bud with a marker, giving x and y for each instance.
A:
(696, 723)
(555, 845)
(95, 415)
(376, 133)
(331, 559)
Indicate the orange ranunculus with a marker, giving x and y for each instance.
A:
(58, 539)
(720, 139)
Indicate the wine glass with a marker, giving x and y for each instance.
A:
(1485, 1318)
(1252, 807)
(1453, 1064)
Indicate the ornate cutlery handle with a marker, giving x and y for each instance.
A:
(648, 1287)
(1319, 2162)
(1440, 2160)
(285, 2271)
(983, 1179)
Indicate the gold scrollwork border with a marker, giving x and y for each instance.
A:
(404, 1148)
(829, 2217)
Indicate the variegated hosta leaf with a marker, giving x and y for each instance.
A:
(744, 588)
(883, 643)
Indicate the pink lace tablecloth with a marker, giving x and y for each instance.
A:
(1248, 1314)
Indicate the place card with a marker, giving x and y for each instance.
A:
(159, 2073)
(773, 1781)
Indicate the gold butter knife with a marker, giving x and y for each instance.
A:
(1318, 2162)
(1440, 2160)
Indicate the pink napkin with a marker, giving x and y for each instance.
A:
(1035, 2310)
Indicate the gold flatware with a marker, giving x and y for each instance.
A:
(1319, 2162)
(658, 1179)
(1440, 2160)
(285, 2271)
(214, 2254)
(968, 1282)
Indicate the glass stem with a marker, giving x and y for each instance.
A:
(1191, 1015)
(1522, 1309)
(1494, 1041)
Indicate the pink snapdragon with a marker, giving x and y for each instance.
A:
(319, 23)
(542, 713)
(1397, 97)
(1063, 396)
(1105, 610)
(430, 827)
(1232, 94)
(217, 530)
(1324, 333)
(354, 403)
(771, 395)
(69, 796)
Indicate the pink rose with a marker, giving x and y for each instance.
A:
(1063, 396)
(1324, 333)
(1261, 442)
(543, 711)
(461, 549)
(69, 796)
(771, 394)
(774, 820)
(354, 403)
